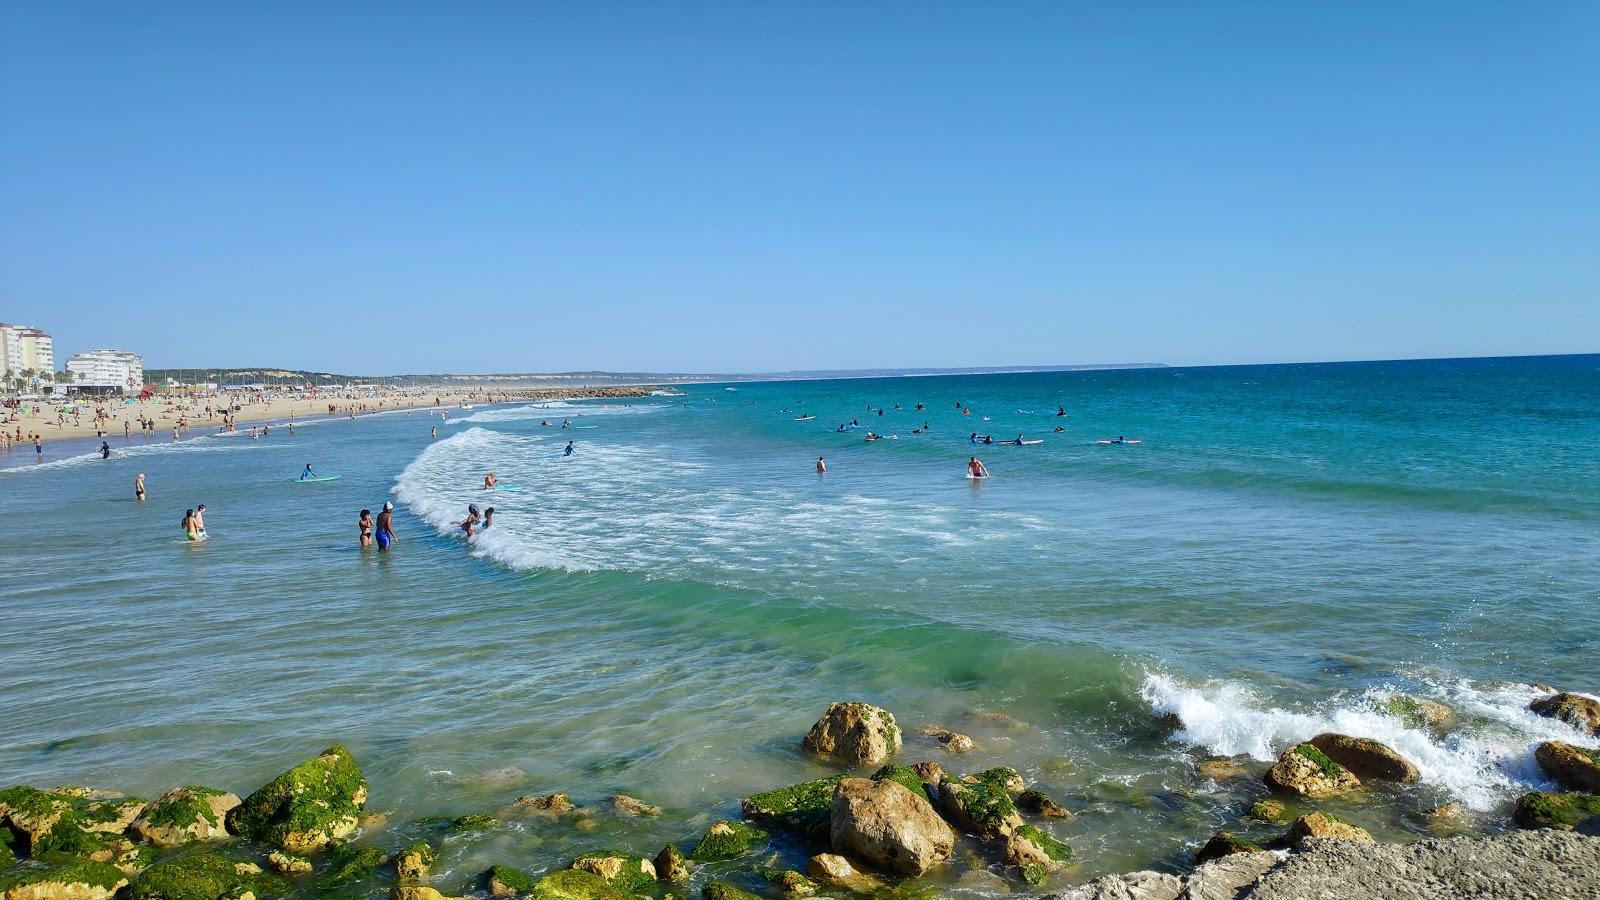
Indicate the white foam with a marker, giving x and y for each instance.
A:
(1487, 762)
(561, 409)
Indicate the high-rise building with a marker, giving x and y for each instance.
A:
(106, 371)
(23, 348)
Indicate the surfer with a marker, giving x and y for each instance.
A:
(386, 527)
(976, 469)
(569, 451)
(138, 488)
(1060, 429)
(822, 467)
(489, 481)
(105, 450)
(364, 523)
(471, 521)
(1061, 411)
(307, 473)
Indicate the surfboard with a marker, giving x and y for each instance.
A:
(316, 478)
(972, 477)
(513, 488)
(804, 418)
(1119, 442)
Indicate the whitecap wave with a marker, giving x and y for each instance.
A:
(564, 409)
(1486, 761)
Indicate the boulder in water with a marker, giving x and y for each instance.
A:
(1419, 713)
(980, 804)
(833, 869)
(1322, 825)
(288, 864)
(856, 733)
(623, 871)
(306, 808)
(671, 864)
(1040, 804)
(1367, 759)
(887, 825)
(1305, 770)
(416, 892)
(1574, 768)
(1224, 843)
(541, 805)
(727, 840)
(574, 884)
(183, 816)
(205, 876)
(62, 878)
(952, 741)
(1582, 713)
(793, 884)
(721, 890)
(806, 807)
(1220, 768)
(1035, 852)
(505, 881)
(624, 805)
(1539, 809)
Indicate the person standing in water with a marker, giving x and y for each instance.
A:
(569, 451)
(364, 523)
(976, 469)
(105, 450)
(200, 518)
(138, 488)
(386, 527)
(471, 521)
(488, 518)
(822, 467)
(190, 529)
(489, 481)
(433, 432)
(38, 449)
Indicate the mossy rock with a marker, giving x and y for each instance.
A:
(671, 864)
(504, 881)
(205, 876)
(111, 815)
(1224, 843)
(805, 807)
(185, 815)
(354, 864)
(721, 890)
(727, 840)
(1056, 850)
(574, 884)
(1539, 809)
(8, 857)
(68, 837)
(620, 869)
(98, 880)
(473, 822)
(981, 804)
(1273, 811)
(32, 813)
(1034, 873)
(791, 883)
(905, 777)
(414, 862)
(1330, 769)
(306, 808)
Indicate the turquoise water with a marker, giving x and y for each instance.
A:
(666, 612)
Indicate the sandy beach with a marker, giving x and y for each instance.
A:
(87, 417)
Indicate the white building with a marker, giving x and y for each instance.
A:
(22, 348)
(107, 370)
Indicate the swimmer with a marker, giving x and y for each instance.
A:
(1061, 411)
(471, 521)
(489, 481)
(822, 467)
(488, 518)
(364, 524)
(976, 469)
(138, 488)
(386, 527)
(569, 451)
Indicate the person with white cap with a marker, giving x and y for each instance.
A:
(386, 527)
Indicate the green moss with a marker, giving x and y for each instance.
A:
(1052, 848)
(804, 807)
(727, 840)
(8, 857)
(574, 884)
(474, 822)
(721, 890)
(309, 805)
(67, 836)
(423, 851)
(1034, 873)
(203, 876)
(987, 801)
(101, 812)
(183, 807)
(671, 864)
(509, 878)
(903, 776)
(1330, 769)
(30, 802)
(632, 877)
(353, 864)
(790, 882)
(60, 869)
(1538, 809)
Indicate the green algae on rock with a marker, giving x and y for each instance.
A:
(671, 864)
(353, 864)
(183, 816)
(906, 777)
(621, 870)
(791, 883)
(1305, 770)
(306, 808)
(205, 876)
(1565, 811)
(980, 804)
(62, 878)
(721, 890)
(415, 862)
(473, 822)
(1224, 843)
(574, 884)
(727, 840)
(505, 881)
(803, 807)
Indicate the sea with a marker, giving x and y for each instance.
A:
(1272, 552)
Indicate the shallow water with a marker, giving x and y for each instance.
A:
(666, 612)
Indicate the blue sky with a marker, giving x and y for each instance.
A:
(394, 187)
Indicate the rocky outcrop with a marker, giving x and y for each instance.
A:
(1564, 812)
(856, 733)
(574, 884)
(1132, 886)
(505, 881)
(1418, 713)
(183, 816)
(542, 805)
(1574, 768)
(1582, 713)
(1307, 771)
(415, 863)
(1040, 804)
(306, 808)
(624, 805)
(980, 804)
(1227, 878)
(951, 741)
(727, 840)
(288, 864)
(1367, 759)
(672, 865)
(1224, 843)
(885, 824)
(793, 884)
(1035, 853)
(1323, 825)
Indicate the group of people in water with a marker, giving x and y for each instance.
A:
(380, 531)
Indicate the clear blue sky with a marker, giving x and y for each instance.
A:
(393, 187)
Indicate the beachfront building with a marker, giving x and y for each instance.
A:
(106, 372)
(25, 349)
